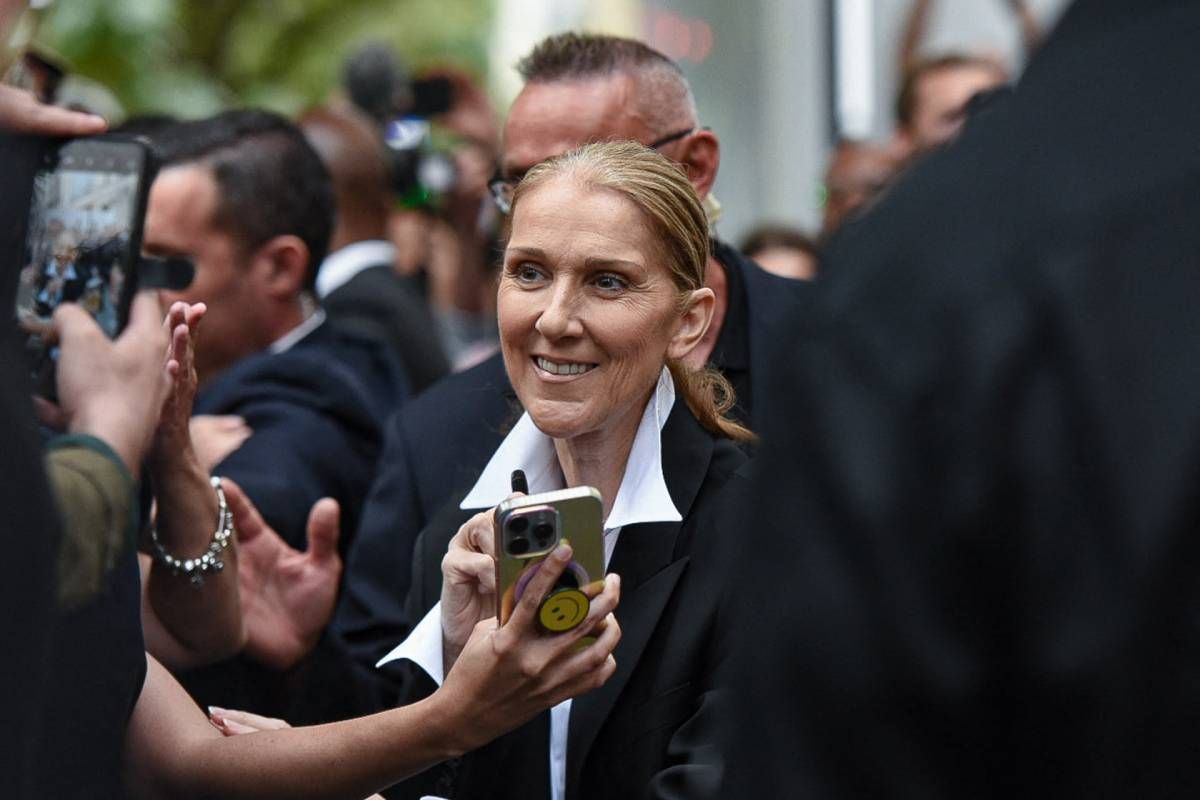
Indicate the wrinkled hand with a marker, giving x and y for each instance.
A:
(113, 389)
(506, 675)
(215, 437)
(173, 435)
(21, 112)
(287, 596)
(468, 583)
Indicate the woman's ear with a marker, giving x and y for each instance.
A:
(692, 324)
(281, 264)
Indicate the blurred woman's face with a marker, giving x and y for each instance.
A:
(587, 309)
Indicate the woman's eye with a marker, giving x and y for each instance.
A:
(526, 273)
(610, 283)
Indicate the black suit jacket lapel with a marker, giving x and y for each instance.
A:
(650, 558)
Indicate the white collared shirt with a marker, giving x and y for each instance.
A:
(641, 498)
(292, 337)
(343, 264)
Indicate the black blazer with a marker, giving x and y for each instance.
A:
(437, 446)
(379, 303)
(645, 731)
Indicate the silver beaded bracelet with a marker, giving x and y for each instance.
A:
(196, 568)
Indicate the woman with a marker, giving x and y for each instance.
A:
(601, 299)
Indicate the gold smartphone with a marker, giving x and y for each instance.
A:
(527, 530)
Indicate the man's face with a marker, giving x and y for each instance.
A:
(942, 97)
(179, 218)
(548, 119)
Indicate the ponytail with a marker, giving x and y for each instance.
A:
(710, 397)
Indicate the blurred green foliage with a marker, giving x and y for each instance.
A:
(191, 58)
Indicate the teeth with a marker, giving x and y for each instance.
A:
(569, 368)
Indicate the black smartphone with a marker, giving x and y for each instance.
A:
(432, 96)
(83, 239)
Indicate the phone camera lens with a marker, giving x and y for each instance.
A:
(518, 545)
(518, 525)
(543, 532)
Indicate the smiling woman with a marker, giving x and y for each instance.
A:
(601, 300)
(603, 286)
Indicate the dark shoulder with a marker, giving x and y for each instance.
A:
(479, 399)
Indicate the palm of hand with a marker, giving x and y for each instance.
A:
(287, 596)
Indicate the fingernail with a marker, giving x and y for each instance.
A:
(214, 711)
(563, 552)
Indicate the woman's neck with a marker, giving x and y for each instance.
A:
(598, 458)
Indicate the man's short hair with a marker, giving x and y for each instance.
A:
(662, 88)
(270, 181)
(906, 100)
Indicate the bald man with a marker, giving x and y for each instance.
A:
(358, 283)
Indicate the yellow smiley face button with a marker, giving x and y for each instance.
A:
(563, 610)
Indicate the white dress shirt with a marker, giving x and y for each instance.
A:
(293, 337)
(642, 497)
(344, 263)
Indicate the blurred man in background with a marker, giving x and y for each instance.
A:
(358, 282)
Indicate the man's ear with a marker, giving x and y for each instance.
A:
(692, 324)
(701, 157)
(282, 266)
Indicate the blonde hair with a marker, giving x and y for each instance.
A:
(660, 189)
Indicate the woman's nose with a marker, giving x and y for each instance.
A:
(559, 318)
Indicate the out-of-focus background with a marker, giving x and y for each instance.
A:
(766, 73)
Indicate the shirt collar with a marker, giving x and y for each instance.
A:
(293, 337)
(643, 495)
(343, 264)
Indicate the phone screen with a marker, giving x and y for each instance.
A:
(82, 241)
(84, 223)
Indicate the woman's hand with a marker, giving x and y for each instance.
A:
(468, 583)
(172, 438)
(507, 674)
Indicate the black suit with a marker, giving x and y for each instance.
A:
(378, 302)
(985, 452)
(438, 445)
(645, 730)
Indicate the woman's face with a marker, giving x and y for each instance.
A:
(588, 311)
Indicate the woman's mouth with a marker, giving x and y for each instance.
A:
(563, 367)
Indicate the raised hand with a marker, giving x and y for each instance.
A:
(181, 324)
(287, 596)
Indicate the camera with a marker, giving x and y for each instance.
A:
(401, 108)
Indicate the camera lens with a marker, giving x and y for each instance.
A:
(518, 524)
(543, 532)
(518, 545)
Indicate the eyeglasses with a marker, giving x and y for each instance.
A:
(503, 188)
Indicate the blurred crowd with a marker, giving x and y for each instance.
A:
(897, 507)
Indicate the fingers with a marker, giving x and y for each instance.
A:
(323, 529)
(246, 520)
(465, 567)
(21, 112)
(144, 314)
(72, 322)
(49, 414)
(477, 534)
(539, 585)
(244, 719)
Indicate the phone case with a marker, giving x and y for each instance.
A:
(580, 522)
